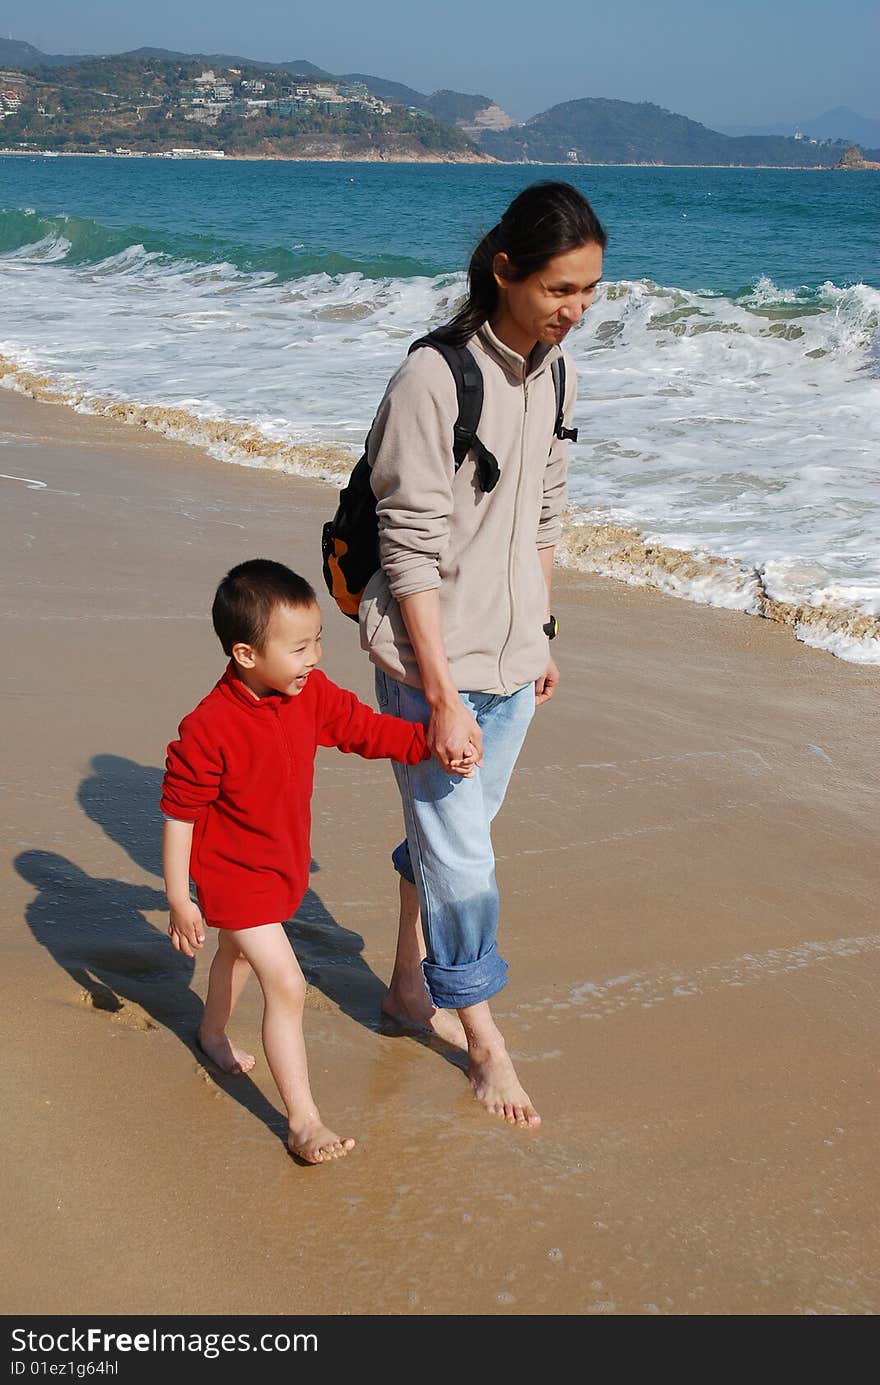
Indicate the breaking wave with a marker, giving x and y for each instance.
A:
(728, 442)
(76, 240)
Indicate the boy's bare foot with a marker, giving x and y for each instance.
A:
(415, 1011)
(497, 1086)
(314, 1142)
(228, 1057)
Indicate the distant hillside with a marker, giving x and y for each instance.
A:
(592, 130)
(471, 114)
(24, 56)
(455, 107)
(16, 54)
(151, 103)
(596, 130)
(449, 106)
(841, 123)
(297, 68)
(395, 92)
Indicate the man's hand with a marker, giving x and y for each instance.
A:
(546, 685)
(454, 736)
(186, 928)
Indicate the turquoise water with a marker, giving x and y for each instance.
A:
(700, 229)
(729, 370)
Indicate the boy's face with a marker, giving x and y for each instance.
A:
(291, 650)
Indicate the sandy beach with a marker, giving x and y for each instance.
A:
(688, 866)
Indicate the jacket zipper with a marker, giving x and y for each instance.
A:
(511, 557)
(288, 754)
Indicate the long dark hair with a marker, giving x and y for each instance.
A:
(544, 220)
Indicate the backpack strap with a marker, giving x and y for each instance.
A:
(557, 370)
(469, 390)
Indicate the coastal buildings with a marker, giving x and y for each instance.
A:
(195, 154)
(11, 91)
(10, 101)
(149, 105)
(208, 97)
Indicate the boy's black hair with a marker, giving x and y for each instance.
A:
(248, 595)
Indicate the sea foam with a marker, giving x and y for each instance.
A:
(728, 448)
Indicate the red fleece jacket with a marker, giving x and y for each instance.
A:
(242, 771)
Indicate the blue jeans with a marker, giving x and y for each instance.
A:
(448, 853)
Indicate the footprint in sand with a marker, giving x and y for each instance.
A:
(97, 996)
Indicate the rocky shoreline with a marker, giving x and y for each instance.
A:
(854, 159)
(407, 155)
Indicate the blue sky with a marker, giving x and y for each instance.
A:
(745, 62)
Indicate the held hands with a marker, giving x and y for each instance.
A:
(186, 928)
(454, 738)
(465, 767)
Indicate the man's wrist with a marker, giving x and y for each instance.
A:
(441, 699)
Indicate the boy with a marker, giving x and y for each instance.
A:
(236, 797)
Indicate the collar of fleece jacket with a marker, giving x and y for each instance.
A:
(233, 687)
(542, 356)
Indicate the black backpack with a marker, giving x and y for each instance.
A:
(350, 540)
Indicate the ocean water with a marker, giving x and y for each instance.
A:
(729, 398)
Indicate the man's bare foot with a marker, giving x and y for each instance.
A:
(415, 1011)
(314, 1142)
(228, 1057)
(497, 1086)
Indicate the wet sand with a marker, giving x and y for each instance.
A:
(689, 873)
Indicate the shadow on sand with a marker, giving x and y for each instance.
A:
(97, 931)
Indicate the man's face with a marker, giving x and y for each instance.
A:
(545, 306)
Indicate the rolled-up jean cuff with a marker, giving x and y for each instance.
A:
(454, 988)
(400, 860)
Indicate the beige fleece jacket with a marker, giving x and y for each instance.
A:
(437, 529)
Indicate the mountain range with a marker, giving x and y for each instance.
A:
(591, 130)
(841, 123)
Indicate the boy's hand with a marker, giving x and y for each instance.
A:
(453, 734)
(469, 761)
(186, 928)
